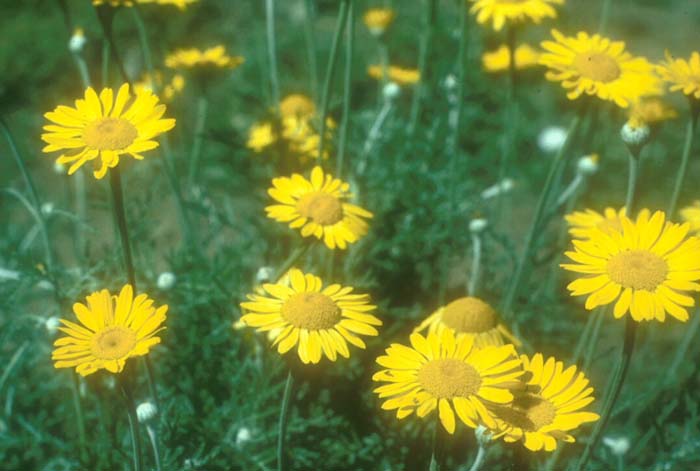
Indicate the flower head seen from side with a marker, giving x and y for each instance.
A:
(208, 59)
(582, 224)
(469, 317)
(448, 374)
(646, 268)
(597, 66)
(682, 75)
(550, 409)
(651, 111)
(318, 321)
(112, 329)
(502, 12)
(297, 106)
(261, 136)
(691, 215)
(102, 128)
(499, 60)
(378, 20)
(398, 75)
(317, 207)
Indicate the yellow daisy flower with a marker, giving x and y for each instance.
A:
(682, 75)
(104, 127)
(450, 375)
(114, 329)
(378, 20)
(645, 268)
(318, 321)
(317, 207)
(547, 414)
(212, 58)
(598, 67)
(500, 12)
(261, 136)
(651, 111)
(499, 60)
(297, 105)
(583, 223)
(469, 317)
(691, 215)
(395, 74)
(170, 89)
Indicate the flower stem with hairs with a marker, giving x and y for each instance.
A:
(683, 168)
(347, 91)
(311, 46)
(426, 47)
(282, 425)
(272, 51)
(125, 388)
(200, 122)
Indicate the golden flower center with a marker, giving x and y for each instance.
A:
(313, 311)
(638, 269)
(448, 378)
(113, 343)
(321, 208)
(469, 315)
(529, 412)
(597, 66)
(110, 134)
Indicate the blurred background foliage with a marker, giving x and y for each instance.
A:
(220, 388)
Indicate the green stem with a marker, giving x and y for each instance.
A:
(77, 405)
(480, 458)
(105, 63)
(604, 16)
(632, 177)
(347, 92)
(133, 422)
(330, 73)
(556, 164)
(423, 63)
(115, 181)
(290, 261)
(475, 272)
(434, 458)
(144, 42)
(683, 347)
(201, 118)
(153, 437)
(174, 181)
(272, 51)
(682, 170)
(105, 16)
(284, 415)
(613, 391)
(311, 46)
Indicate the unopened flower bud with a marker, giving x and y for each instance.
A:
(60, 168)
(587, 165)
(264, 275)
(551, 139)
(635, 134)
(77, 41)
(450, 82)
(243, 436)
(478, 225)
(504, 186)
(391, 91)
(52, 324)
(617, 445)
(47, 209)
(166, 280)
(146, 411)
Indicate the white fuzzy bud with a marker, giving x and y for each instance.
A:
(391, 91)
(635, 134)
(60, 168)
(617, 445)
(52, 324)
(146, 411)
(477, 226)
(503, 186)
(450, 82)
(243, 436)
(551, 139)
(587, 165)
(77, 41)
(47, 209)
(166, 280)
(483, 435)
(264, 275)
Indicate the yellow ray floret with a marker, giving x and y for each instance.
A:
(551, 407)
(103, 128)
(499, 60)
(318, 208)
(111, 330)
(599, 67)
(441, 372)
(502, 12)
(398, 75)
(682, 75)
(317, 321)
(378, 20)
(646, 268)
(691, 215)
(213, 58)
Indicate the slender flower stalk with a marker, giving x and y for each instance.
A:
(200, 122)
(604, 16)
(143, 41)
(347, 92)
(282, 425)
(311, 46)
(133, 422)
(272, 50)
(434, 460)
(480, 458)
(554, 169)
(685, 159)
(79, 417)
(476, 227)
(105, 16)
(424, 62)
(330, 74)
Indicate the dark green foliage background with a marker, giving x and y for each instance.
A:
(214, 381)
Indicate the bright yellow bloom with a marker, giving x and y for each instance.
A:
(318, 321)
(500, 12)
(303, 139)
(440, 372)
(212, 58)
(646, 268)
(317, 207)
(691, 215)
(395, 74)
(114, 329)
(261, 136)
(651, 111)
(104, 127)
(297, 106)
(469, 317)
(583, 224)
(499, 60)
(682, 75)
(597, 66)
(170, 89)
(550, 409)
(378, 20)
(181, 4)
